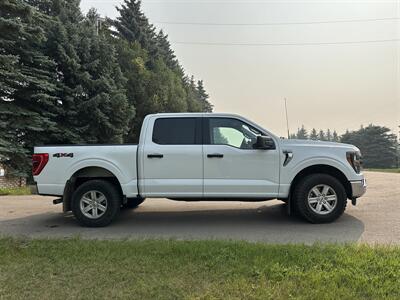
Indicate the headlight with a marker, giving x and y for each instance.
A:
(355, 160)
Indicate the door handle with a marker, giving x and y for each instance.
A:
(215, 155)
(156, 155)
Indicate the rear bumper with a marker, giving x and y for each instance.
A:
(39, 191)
(358, 188)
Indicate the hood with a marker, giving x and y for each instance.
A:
(314, 143)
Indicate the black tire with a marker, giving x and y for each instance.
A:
(133, 203)
(109, 191)
(304, 187)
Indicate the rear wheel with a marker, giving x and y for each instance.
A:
(320, 198)
(96, 203)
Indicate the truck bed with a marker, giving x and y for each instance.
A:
(65, 160)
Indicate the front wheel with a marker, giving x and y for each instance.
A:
(320, 198)
(96, 203)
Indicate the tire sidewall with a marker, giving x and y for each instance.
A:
(113, 203)
(302, 192)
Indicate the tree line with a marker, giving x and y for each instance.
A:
(321, 135)
(70, 78)
(378, 145)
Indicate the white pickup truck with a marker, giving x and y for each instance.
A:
(199, 156)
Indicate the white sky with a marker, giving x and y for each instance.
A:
(327, 86)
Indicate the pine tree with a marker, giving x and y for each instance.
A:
(302, 133)
(165, 51)
(321, 135)
(335, 137)
(65, 80)
(91, 87)
(194, 105)
(328, 135)
(313, 134)
(377, 145)
(134, 26)
(106, 110)
(202, 97)
(132, 59)
(156, 82)
(27, 85)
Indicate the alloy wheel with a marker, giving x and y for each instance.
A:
(93, 204)
(322, 199)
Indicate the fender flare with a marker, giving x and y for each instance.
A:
(99, 163)
(301, 166)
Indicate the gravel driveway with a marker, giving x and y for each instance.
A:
(375, 219)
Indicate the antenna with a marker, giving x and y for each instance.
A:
(287, 120)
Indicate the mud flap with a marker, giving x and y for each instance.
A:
(66, 199)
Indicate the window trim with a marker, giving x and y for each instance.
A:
(197, 129)
(206, 132)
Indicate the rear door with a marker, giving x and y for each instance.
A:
(232, 168)
(173, 158)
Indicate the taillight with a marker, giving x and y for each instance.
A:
(39, 161)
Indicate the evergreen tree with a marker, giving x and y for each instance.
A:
(377, 145)
(321, 135)
(328, 135)
(314, 134)
(90, 82)
(134, 26)
(202, 97)
(302, 133)
(335, 137)
(156, 82)
(133, 59)
(63, 79)
(165, 51)
(194, 104)
(27, 85)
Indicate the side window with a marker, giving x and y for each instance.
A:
(232, 132)
(175, 131)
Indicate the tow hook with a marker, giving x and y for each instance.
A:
(354, 201)
(57, 201)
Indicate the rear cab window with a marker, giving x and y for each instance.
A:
(177, 131)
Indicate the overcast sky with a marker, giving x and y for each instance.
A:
(336, 86)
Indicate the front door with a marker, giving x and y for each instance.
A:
(232, 168)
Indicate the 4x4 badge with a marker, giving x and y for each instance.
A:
(59, 155)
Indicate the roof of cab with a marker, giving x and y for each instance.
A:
(195, 115)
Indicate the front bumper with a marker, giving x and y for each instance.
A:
(358, 188)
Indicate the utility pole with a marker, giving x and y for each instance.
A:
(99, 22)
(287, 120)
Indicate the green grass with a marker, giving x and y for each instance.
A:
(395, 170)
(155, 269)
(15, 191)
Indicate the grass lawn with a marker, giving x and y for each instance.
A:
(395, 170)
(155, 269)
(15, 191)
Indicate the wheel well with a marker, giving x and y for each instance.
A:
(323, 169)
(83, 175)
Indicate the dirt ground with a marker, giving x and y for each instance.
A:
(375, 219)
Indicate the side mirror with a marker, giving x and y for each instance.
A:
(264, 143)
